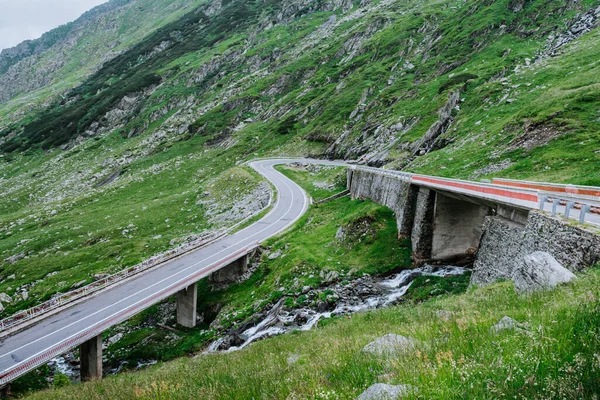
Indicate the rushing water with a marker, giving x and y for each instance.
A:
(366, 293)
(381, 293)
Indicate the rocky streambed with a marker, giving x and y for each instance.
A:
(365, 293)
(345, 297)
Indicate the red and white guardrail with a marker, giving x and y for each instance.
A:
(520, 193)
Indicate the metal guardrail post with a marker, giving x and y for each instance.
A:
(570, 205)
(554, 206)
(543, 200)
(584, 209)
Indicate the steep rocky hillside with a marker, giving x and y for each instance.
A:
(42, 68)
(487, 82)
(121, 166)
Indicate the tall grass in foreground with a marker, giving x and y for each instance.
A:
(556, 357)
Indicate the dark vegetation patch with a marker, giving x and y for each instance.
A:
(425, 287)
(127, 74)
(455, 80)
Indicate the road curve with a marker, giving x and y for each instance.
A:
(58, 333)
(70, 327)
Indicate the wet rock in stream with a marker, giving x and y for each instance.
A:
(365, 293)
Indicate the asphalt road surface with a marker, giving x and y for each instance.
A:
(69, 327)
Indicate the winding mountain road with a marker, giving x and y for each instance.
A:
(72, 325)
(68, 328)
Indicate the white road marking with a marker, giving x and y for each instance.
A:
(281, 181)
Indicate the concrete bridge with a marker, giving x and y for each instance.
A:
(491, 224)
(446, 219)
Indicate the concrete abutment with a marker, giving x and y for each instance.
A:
(457, 228)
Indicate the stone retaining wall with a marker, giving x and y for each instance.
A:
(505, 243)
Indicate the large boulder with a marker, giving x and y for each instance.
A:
(390, 345)
(539, 271)
(381, 391)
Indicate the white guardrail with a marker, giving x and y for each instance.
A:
(61, 299)
(585, 199)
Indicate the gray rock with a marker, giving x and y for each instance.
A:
(391, 345)
(381, 391)
(540, 271)
(507, 324)
(25, 294)
(331, 276)
(5, 298)
(77, 285)
(14, 258)
(275, 255)
(1, 307)
(293, 359)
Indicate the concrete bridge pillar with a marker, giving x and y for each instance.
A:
(231, 273)
(422, 229)
(457, 228)
(90, 356)
(405, 214)
(5, 392)
(186, 306)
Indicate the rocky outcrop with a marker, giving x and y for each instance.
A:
(579, 26)
(439, 127)
(505, 243)
(539, 271)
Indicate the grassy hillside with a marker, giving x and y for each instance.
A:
(319, 78)
(138, 156)
(554, 357)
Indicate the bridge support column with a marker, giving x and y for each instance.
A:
(457, 228)
(5, 392)
(90, 356)
(422, 230)
(231, 273)
(405, 215)
(186, 306)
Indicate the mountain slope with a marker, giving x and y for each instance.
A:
(60, 59)
(463, 89)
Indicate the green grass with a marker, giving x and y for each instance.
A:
(321, 184)
(459, 358)
(308, 248)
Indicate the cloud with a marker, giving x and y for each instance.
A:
(29, 19)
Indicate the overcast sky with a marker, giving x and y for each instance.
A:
(29, 19)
